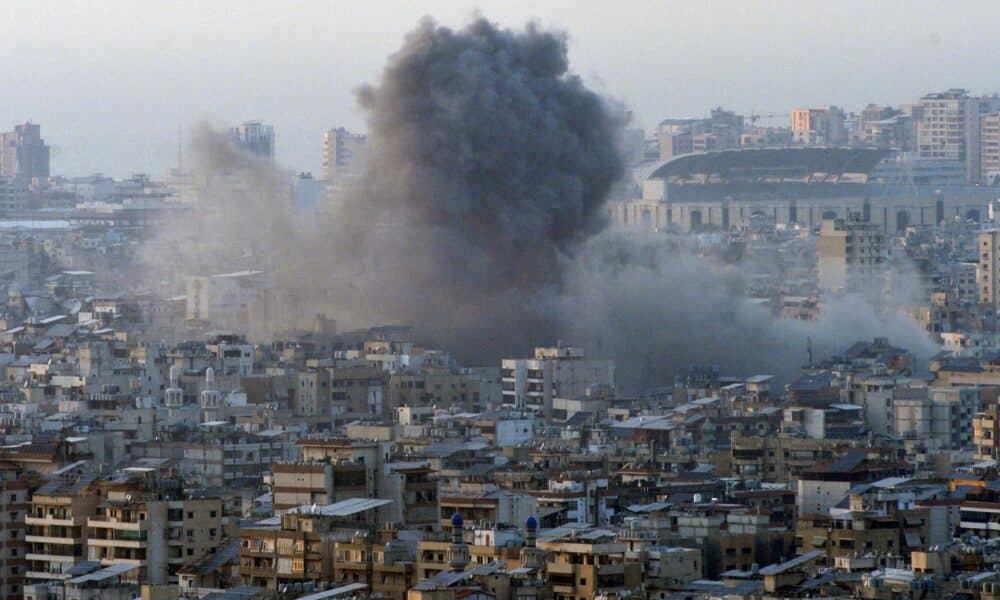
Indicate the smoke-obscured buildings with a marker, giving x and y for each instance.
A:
(254, 137)
(852, 253)
(343, 156)
(23, 153)
(226, 299)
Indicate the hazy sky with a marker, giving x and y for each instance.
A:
(111, 81)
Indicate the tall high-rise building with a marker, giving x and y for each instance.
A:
(23, 153)
(989, 149)
(950, 128)
(254, 137)
(941, 132)
(343, 155)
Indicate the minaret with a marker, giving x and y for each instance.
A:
(458, 553)
(531, 556)
(174, 399)
(210, 398)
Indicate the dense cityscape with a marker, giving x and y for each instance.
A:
(509, 345)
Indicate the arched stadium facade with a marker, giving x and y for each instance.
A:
(718, 190)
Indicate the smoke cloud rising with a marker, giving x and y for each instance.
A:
(480, 220)
(488, 163)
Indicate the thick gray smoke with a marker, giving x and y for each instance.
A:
(480, 220)
(658, 305)
(488, 162)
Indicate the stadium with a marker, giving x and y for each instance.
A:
(721, 189)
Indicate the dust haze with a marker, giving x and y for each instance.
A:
(480, 220)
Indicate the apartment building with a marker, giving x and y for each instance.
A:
(434, 387)
(989, 145)
(852, 253)
(232, 460)
(857, 533)
(339, 449)
(23, 153)
(254, 137)
(942, 131)
(15, 492)
(300, 545)
(343, 156)
(989, 268)
(383, 561)
(582, 567)
(563, 371)
(357, 390)
(778, 458)
(161, 535)
(951, 129)
(312, 394)
(942, 417)
(986, 434)
(225, 299)
(296, 484)
(56, 526)
(819, 126)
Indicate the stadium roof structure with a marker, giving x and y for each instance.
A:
(772, 165)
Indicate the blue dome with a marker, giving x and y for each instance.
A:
(456, 520)
(531, 524)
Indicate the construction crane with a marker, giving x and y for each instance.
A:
(754, 117)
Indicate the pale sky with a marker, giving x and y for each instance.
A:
(111, 81)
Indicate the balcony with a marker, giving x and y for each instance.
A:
(136, 544)
(47, 520)
(67, 558)
(45, 539)
(46, 575)
(560, 568)
(119, 525)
